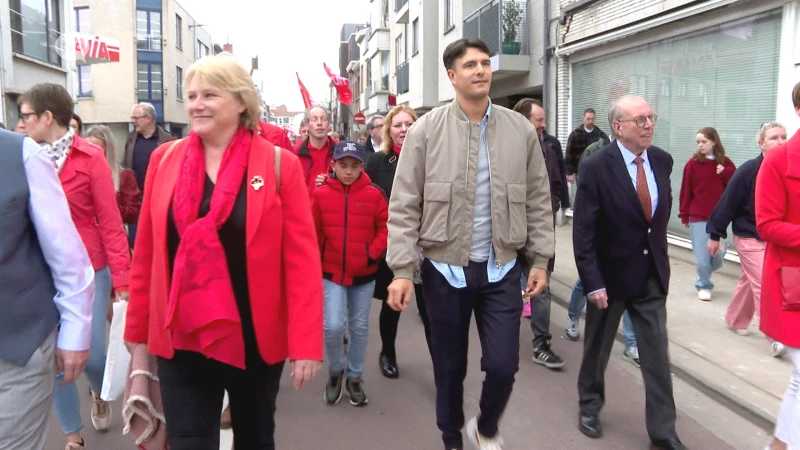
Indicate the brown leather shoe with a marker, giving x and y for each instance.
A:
(225, 418)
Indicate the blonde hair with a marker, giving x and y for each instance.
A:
(386, 145)
(224, 72)
(762, 132)
(103, 133)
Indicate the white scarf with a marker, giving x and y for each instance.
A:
(59, 149)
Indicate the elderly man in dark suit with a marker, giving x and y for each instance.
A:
(620, 240)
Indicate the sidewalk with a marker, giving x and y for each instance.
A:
(737, 371)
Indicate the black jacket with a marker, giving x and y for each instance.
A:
(738, 204)
(556, 146)
(381, 167)
(577, 142)
(613, 242)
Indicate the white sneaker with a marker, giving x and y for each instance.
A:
(777, 349)
(479, 441)
(704, 295)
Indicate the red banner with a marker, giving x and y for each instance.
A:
(342, 86)
(307, 100)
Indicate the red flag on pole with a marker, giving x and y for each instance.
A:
(342, 85)
(307, 100)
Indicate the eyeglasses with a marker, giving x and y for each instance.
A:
(135, 118)
(641, 121)
(24, 116)
(376, 126)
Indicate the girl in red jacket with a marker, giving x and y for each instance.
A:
(704, 179)
(350, 214)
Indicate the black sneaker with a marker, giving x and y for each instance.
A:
(333, 390)
(356, 392)
(544, 356)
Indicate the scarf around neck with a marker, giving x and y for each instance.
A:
(59, 149)
(396, 148)
(203, 315)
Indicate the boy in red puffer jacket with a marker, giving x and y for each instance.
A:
(350, 214)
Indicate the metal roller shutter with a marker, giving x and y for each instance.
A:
(724, 77)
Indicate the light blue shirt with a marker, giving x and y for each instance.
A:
(62, 248)
(455, 274)
(652, 186)
(629, 157)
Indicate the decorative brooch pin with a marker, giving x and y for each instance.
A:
(257, 182)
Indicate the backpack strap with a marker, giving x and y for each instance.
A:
(277, 170)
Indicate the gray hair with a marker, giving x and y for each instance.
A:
(148, 109)
(304, 122)
(307, 115)
(103, 133)
(371, 121)
(762, 132)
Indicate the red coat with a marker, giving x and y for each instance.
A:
(275, 135)
(87, 182)
(282, 254)
(702, 187)
(778, 224)
(351, 228)
(128, 196)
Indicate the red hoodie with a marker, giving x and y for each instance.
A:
(351, 228)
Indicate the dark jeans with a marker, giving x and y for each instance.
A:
(498, 309)
(419, 293)
(649, 317)
(192, 389)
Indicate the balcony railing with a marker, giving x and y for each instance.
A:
(148, 42)
(503, 25)
(398, 4)
(402, 78)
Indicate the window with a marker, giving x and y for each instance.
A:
(149, 82)
(449, 15)
(84, 81)
(202, 50)
(178, 31)
(83, 22)
(415, 37)
(83, 25)
(148, 30)
(400, 50)
(179, 81)
(35, 26)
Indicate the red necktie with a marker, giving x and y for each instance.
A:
(642, 191)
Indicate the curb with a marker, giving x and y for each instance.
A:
(746, 409)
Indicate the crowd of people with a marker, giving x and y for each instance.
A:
(213, 241)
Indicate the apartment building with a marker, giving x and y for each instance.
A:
(159, 40)
(728, 64)
(375, 49)
(349, 56)
(29, 30)
(415, 37)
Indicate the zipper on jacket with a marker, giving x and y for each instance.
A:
(344, 246)
(491, 203)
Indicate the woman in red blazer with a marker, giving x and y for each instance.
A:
(85, 176)
(128, 193)
(778, 224)
(225, 282)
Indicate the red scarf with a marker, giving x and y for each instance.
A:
(396, 148)
(203, 315)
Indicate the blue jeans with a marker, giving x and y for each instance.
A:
(704, 262)
(349, 304)
(67, 400)
(577, 302)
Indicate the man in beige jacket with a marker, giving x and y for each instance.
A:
(471, 189)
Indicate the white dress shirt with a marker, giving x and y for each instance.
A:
(62, 248)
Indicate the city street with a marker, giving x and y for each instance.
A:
(542, 414)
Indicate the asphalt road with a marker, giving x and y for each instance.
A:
(542, 413)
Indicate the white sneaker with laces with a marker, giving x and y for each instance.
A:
(704, 295)
(777, 349)
(479, 441)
